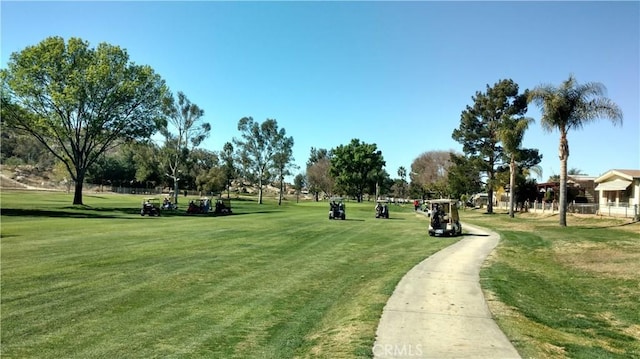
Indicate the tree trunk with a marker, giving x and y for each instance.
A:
(281, 189)
(490, 200)
(175, 189)
(564, 156)
(490, 191)
(512, 185)
(77, 195)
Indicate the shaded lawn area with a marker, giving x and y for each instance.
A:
(267, 282)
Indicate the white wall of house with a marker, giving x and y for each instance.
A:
(616, 198)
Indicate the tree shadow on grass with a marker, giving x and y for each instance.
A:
(475, 235)
(613, 225)
(18, 212)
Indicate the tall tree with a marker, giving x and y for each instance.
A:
(480, 123)
(319, 178)
(429, 171)
(146, 157)
(283, 160)
(257, 146)
(571, 106)
(298, 183)
(79, 101)
(357, 167)
(184, 130)
(210, 174)
(402, 184)
(230, 171)
(511, 134)
(463, 176)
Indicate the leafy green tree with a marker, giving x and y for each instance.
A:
(527, 190)
(480, 124)
(184, 130)
(212, 177)
(204, 172)
(228, 165)
(148, 167)
(381, 184)
(571, 106)
(319, 178)
(79, 101)
(115, 167)
(463, 176)
(401, 184)
(299, 182)
(356, 167)
(259, 144)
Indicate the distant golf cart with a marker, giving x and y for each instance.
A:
(168, 205)
(150, 206)
(223, 206)
(382, 209)
(201, 206)
(445, 220)
(336, 209)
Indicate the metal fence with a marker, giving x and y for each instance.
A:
(583, 208)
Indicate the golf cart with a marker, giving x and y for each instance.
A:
(223, 206)
(168, 205)
(150, 206)
(336, 209)
(202, 206)
(382, 209)
(444, 219)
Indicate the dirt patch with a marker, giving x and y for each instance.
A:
(616, 262)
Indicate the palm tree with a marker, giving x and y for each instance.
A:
(511, 133)
(534, 170)
(571, 106)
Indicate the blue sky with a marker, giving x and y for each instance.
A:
(397, 74)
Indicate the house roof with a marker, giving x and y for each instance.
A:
(580, 178)
(625, 174)
(615, 185)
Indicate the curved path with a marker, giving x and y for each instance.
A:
(438, 308)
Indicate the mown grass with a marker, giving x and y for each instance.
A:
(266, 282)
(569, 292)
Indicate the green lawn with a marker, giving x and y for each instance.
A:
(569, 292)
(283, 281)
(265, 282)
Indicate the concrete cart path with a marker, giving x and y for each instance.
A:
(438, 309)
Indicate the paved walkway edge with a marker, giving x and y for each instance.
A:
(438, 309)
